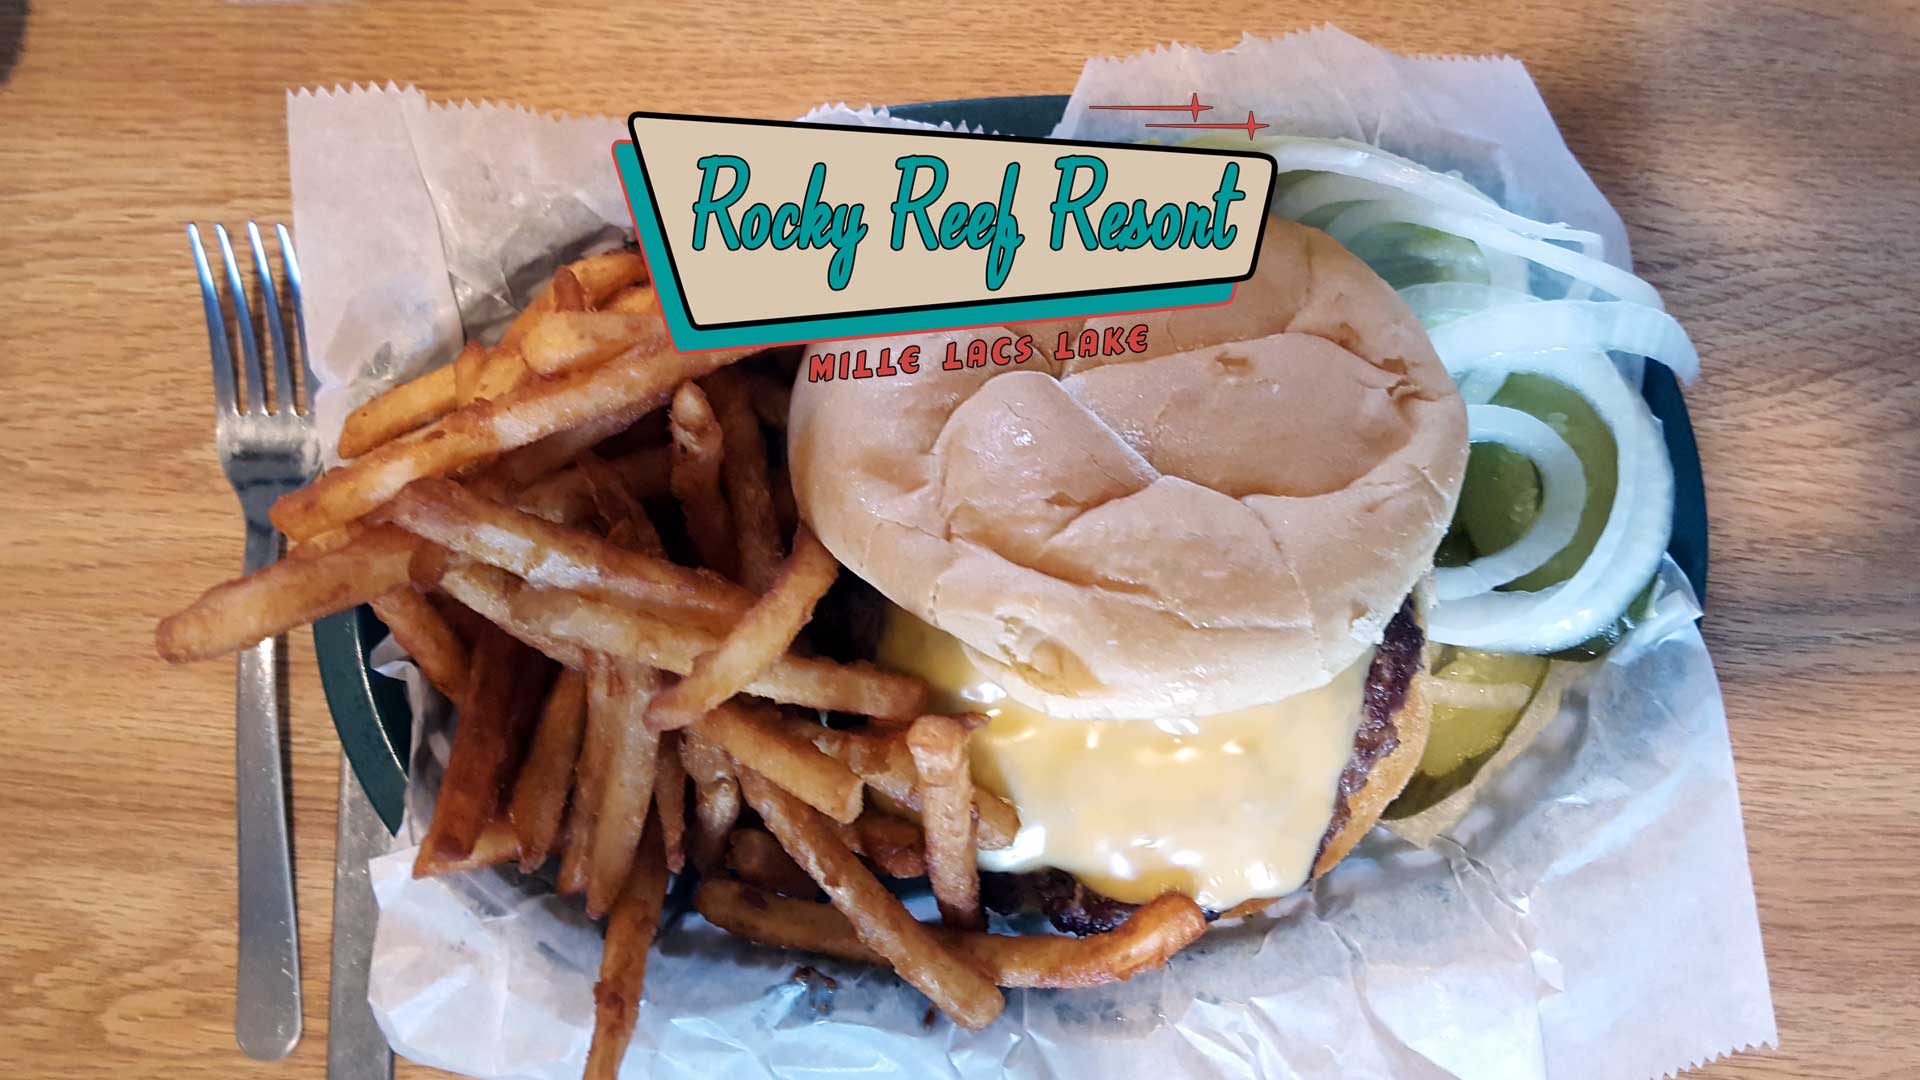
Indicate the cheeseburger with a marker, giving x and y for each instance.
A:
(1179, 583)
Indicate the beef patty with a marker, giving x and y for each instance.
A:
(847, 627)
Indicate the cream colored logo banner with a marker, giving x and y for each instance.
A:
(763, 225)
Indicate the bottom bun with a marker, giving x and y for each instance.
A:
(1388, 777)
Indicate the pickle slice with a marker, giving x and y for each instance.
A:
(1499, 498)
(1404, 254)
(1603, 642)
(1320, 217)
(1455, 548)
(1502, 510)
(1476, 699)
(1489, 668)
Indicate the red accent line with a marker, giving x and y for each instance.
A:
(1192, 107)
(1250, 125)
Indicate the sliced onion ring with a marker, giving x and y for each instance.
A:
(1436, 303)
(1583, 268)
(1628, 549)
(1559, 518)
(1322, 198)
(1616, 326)
(1361, 162)
(1477, 695)
(1505, 270)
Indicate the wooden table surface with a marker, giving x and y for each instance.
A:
(1764, 159)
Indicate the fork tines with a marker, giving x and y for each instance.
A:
(287, 399)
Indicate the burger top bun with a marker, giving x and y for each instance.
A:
(1221, 521)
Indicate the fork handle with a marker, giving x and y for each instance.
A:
(267, 995)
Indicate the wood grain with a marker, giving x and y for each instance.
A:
(1762, 155)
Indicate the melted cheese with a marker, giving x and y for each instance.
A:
(1224, 808)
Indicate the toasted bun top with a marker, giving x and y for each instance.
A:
(1222, 521)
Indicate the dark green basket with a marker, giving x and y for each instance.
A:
(370, 710)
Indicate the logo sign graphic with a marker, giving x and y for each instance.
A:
(764, 233)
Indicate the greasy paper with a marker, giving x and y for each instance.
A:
(1590, 915)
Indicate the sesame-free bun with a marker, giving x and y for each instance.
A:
(1222, 521)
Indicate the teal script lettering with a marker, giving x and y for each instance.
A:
(810, 224)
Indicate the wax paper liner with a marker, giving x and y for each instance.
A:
(1592, 916)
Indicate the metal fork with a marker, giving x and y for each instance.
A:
(264, 453)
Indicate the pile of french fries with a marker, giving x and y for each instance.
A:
(621, 712)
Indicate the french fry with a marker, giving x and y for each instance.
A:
(537, 308)
(327, 541)
(617, 695)
(466, 372)
(716, 798)
(569, 619)
(748, 910)
(749, 491)
(421, 401)
(636, 300)
(566, 497)
(427, 567)
(939, 748)
(500, 373)
(520, 467)
(576, 855)
(616, 504)
(292, 592)
(756, 741)
(631, 924)
(558, 556)
(786, 512)
(568, 294)
(600, 276)
(398, 410)
(489, 592)
(565, 341)
(698, 450)
(488, 485)
(494, 846)
(879, 920)
(760, 861)
(466, 622)
(539, 803)
(894, 846)
(647, 432)
(761, 636)
(771, 399)
(609, 272)
(706, 763)
(635, 534)
(1150, 936)
(436, 650)
(589, 786)
(670, 801)
(628, 385)
(884, 762)
(496, 716)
